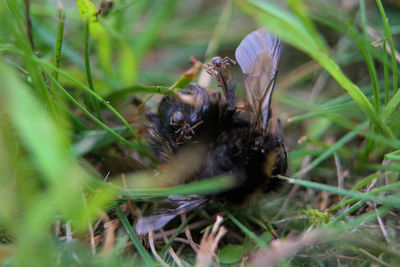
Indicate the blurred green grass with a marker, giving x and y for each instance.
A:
(337, 93)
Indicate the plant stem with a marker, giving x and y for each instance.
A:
(93, 102)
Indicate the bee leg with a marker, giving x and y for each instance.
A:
(210, 71)
(232, 61)
(228, 60)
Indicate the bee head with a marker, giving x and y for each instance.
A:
(217, 61)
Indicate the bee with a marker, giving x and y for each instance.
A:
(239, 141)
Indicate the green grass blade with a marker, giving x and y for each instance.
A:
(59, 42)
(163, 12)
(342, 141)
(207, 186)
(385, 71)
(94, 104)
(22, 42)
(98, 97)
(219, 31)
(340, 191)
(391, 107)
(392, 49)
(95, 139)
(261, 243)
(138, 147)
(365, 49)
(135, 239)
(177, 232)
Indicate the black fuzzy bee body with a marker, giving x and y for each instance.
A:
(237, 140)
(233, 147)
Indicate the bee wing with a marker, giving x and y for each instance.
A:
(258, 56)
(179, 205)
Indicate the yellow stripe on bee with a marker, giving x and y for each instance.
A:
(269, 164)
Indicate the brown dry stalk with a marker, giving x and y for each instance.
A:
(109, 233)
(172, 252)
(153, 250)
(209, 244)
(189, 236)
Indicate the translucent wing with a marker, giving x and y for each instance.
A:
(178, 205)
(258, 56)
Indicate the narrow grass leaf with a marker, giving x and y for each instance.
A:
(342, 141)
(365, 49)
(391, 44)
(138, 147)
(59, 42)
(177, 232)
(260, 242)
(340, 191)
(207, 186)
(98, 97)
(135, 239)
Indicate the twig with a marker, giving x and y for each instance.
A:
(109, 233)
(57, 230)
(288, 219)
(182, 246)
(68, 232)
(92, 242)
(369, 255)
(172, 252)
(182, 240)
(97, 224)
(265, 222)
(189, 236)
(129, 202)
(324, 200)
(194, 225)
(339, 173)
(382, 227)
(153, 250)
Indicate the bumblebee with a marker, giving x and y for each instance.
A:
(238, 140)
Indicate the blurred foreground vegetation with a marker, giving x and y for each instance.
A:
(75, 86)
